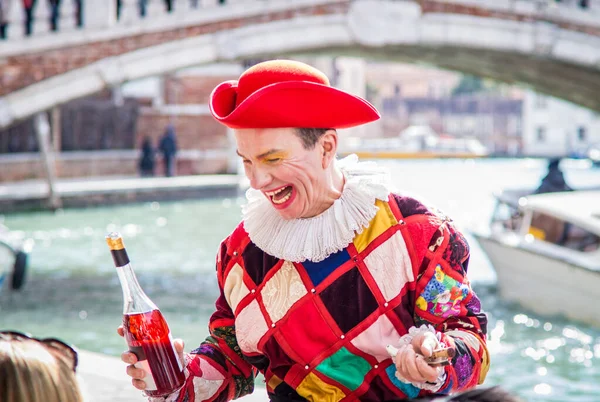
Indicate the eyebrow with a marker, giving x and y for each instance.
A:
(263, 155)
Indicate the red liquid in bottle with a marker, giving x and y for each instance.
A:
(148, 337)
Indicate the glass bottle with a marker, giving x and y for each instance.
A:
(146, 330)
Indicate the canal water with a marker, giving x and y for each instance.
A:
(73, 292)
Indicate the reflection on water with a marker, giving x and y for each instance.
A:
(541, 358)
(73, 291)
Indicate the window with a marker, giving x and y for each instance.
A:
(581, 133)
(580, 239)
(541, 134)
(506, 217)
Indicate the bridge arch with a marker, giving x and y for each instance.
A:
(505, 41)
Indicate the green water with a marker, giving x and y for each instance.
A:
(73, 291)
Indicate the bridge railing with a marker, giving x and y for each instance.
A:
(81, 21)
(44, 19)
(580, 12)
(91, 15)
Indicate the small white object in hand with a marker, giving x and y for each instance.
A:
(392, 351)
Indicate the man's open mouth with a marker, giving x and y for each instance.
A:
(280, 195)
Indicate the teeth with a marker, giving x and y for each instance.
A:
(272, 193)
(284, 199)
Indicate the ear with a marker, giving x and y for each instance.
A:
(329, 143)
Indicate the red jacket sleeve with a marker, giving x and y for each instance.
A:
(444, 299)
(217, 369)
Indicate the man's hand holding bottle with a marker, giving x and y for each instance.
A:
(137, 375)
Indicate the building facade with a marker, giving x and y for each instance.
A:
(553, 127)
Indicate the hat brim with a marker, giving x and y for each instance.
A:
(298, 104)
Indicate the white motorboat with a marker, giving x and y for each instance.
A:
(545, 249)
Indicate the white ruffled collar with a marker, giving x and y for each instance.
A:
(316, 238)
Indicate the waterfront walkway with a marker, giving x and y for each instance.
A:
(104, 380)
(92, 191)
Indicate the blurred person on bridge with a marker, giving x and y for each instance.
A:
(147, 159)
(37, 370)
(79, 13)
(334, 285)
(5, 6)
(29, 7)
(168, 148)
(141, 4)
(54, 14)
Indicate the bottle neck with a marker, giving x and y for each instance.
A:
(134, 298)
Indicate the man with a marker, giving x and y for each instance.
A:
(54, 14)
(554, 180)
(5, 6)
(168, 147)
(328, 266)
(29, 6)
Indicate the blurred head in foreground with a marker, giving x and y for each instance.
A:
(37, 370)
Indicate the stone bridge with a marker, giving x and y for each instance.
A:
(553, 47)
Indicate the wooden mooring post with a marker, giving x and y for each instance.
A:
(42, 129)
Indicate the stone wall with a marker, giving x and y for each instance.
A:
(190, 89)
(185, 107)
(193, 131)
(107, 163)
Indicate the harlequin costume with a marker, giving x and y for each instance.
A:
(312, 303)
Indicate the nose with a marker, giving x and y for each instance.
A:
(259, 178)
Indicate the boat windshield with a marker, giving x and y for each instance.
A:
(508, 217)
(566, 234)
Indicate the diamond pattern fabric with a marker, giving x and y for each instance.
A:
(318, 271)
(312, 385)
(250, 326)
(235, 288)
(282, 290)
(390, 266)
(299, 330)
(381, 331)
(345, 367)
(348, 315)
(384, 219)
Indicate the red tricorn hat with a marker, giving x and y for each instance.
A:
(285, 93)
